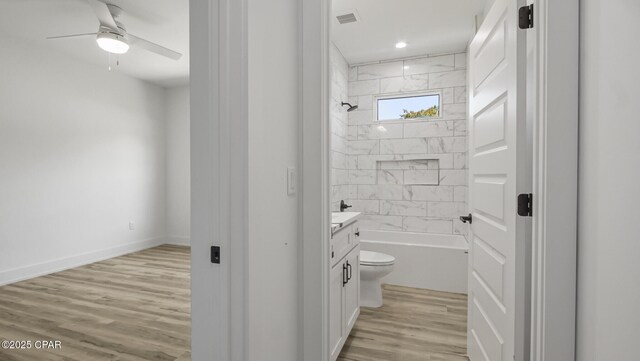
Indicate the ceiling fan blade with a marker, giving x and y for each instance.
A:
(104, 15)
(154, 48)
(70, 36)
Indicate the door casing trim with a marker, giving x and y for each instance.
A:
(553, 302)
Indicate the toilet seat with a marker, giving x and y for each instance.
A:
(368, 258)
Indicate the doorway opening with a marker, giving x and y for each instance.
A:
(95, 183)
(422, 174)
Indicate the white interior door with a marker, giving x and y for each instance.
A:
(496, 142)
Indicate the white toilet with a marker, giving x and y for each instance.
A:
(373, 266)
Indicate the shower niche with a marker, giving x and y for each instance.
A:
(420, 171)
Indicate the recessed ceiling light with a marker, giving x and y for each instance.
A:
(401, 44)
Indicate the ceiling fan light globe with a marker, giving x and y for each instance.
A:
(112, 43)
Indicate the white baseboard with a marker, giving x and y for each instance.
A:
(178, 240)
(41, 269)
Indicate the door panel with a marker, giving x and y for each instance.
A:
(495, 119)
(489, 126)
(491, 306)
(489, 266)
(490, 232)
(490, 53)
(490, 196)
(489, 340)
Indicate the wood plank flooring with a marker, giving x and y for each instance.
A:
(413, 325)
(130, 308)
(137, 308)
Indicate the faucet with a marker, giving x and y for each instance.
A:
(343, 206)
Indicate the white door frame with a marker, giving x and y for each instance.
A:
(218, 84)
(219, 181)
(553, 301)
(315, 182)
(555, 180)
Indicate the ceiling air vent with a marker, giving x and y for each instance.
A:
(347, 18)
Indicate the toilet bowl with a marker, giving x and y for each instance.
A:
(373, 266)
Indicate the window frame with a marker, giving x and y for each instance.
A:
(376, 98)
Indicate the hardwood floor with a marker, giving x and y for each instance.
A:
(413, 325)
(135, 307)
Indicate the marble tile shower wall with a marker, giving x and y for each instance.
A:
(339, 127)
(410, 175)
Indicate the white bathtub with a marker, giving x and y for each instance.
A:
(430, 261)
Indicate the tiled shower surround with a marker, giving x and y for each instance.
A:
(407, 175)
(339, 126)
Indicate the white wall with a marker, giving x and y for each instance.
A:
(178, 158)
(609, 244)
(273, 145)
(81, 155)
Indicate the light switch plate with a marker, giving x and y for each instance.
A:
(291, 181)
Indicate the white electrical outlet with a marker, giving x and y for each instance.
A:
(132, 226)
(291, 181)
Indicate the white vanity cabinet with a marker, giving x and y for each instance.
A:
(344, 287)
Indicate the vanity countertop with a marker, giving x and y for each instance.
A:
(342, 219)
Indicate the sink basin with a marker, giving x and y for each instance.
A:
(344, 218)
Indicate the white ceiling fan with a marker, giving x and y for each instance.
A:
(112, 36)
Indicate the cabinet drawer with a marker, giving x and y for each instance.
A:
(341, 244)
(355, 234)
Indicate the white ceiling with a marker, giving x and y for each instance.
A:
(427, 26)
(165, 22)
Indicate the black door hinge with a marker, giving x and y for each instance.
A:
(215, 254)
(526, 17)
(525, 205)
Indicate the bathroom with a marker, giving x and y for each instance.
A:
(399, 178)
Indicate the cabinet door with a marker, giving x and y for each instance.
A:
(336, 310)
(352, 289)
